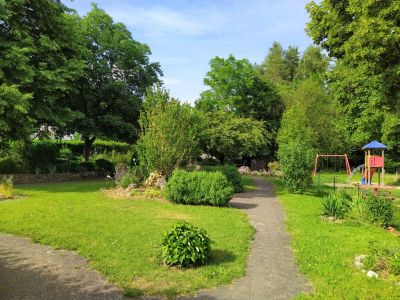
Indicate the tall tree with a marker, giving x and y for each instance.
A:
(40, 57)
(109, 94)
(313, 64)
(236, 86)
(274, 67)
(364, 37)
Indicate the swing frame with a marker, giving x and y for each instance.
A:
(345, 157)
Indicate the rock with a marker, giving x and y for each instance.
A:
(160, 183)
(372, 274)
(155, 180)
(120, 170)
(130, 187)
(358, 264)
(362, 257)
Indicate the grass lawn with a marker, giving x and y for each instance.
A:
(325, 251)
(248, 183)
(121, 237)
(340, 177)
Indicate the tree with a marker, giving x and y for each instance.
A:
(117, 73)
(279, 66)
(313, 64)
(170, 133)
(236, 86)
(364, 37)
(232, 138)
(310, 118)
(40, 57)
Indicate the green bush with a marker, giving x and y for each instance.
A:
(231, 173)
(359, 209)
(335, 205)
(185, 245)
(199, 188)
(8, 166)
(104, 166)
(132, 176)
(296, 161)
(381, 259)
(380, 210)
(87, 166)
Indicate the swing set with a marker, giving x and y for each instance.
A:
(342, 157)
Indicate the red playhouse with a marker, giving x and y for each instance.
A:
(374, 160)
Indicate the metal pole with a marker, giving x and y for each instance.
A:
(334, 183)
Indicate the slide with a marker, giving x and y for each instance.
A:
(364, 178)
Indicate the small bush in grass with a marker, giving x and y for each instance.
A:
(6, 187)
(359, 209)
(380, 210)
(199, 188)
(334, 205)
(381, 259)
(231, 173)
(185, 245)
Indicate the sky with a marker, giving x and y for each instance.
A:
(184, 35)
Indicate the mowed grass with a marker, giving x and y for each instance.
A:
(121, 237)
(341, 177)
(325, 251)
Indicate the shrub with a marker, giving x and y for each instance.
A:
(199, 188)
(275, 168)
(170, 133)
(359, 209)
(8, 166)
(297, 163)
(380, 259)
(380, 210)
(231, 173)
(132, 176)
(87, 166)
(335, 206)
(6, 187)
(185, 245)
(104, 166)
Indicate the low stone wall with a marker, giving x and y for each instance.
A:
(47, 178)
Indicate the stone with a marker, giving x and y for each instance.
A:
(130, 187)
(372, 274)
(358, 264)
(160, 183)
(155, 180)
(120, 171)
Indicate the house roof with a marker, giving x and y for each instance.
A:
(374, 145)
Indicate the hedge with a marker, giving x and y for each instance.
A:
(212, 188)
(231, 173)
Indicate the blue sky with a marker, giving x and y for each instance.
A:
(185, 34)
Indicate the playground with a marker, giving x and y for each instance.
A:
(334, 170)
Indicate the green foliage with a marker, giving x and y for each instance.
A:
(170, 133)
(380, 210)
(296, 161)
(110, 107)
(87, 166)
(41, 53)
(336, 205)
(382, 259)
(230, 138)
(231, 173)
(104, 166)
(6, 186)
(132, 176)
(363, 36)
(8, 166)
(359, 209)
(236, 86)
(212, 188)
(186, 245)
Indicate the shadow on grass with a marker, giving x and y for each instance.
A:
(66, 187)
(219, 257)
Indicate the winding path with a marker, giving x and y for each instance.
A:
(271, 270)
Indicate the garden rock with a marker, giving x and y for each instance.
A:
(160, 183)
(120, 171)
(155, 180)
(130, 187)
(372, 274)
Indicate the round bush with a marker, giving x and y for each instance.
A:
(199, 188)
(185, 245)
(380, 210)
(231, 173)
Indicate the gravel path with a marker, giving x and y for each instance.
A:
(31, 271)
(271, 270)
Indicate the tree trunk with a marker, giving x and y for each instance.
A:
(88, 147)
